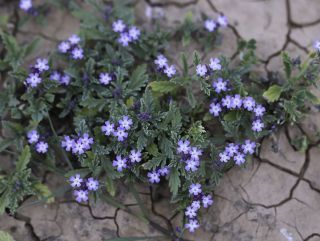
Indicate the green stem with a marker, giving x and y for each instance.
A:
(62, 151)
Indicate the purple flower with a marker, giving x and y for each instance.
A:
(195, 189)
(33, 136)
(170, 70)
(107, 128)
(64, 46)
(56, 76)
(81, 195)
(195, 153)
(239, 159)
(42, 65)
(77, 53)
(92, 184)
(196, 205)
(215, 64)
(42, 147)
(215, 109)
(249, 103)
(124, 39)
(257, 125)
(232, 149)
(316, 45)
(192, 225)
(163, 171)
(125, 122)
(86, 140)
(105, 78)
(222, 21)
(219, 85)
(78, 147)
(76, 180)
(248, 147)
(201, 70)
(259, 110)
(227, 102)
(135, 156)
(207, 201)
(161, 61)
(210, 25)
(120, 163)
(192, 165)
(236, 102)
(154, 177)
(118, 26)
(25, 5)
(74, 39)
(65, 79)
(224, 157)
(134, 33)
(120, 133)
(33, 80)
(191, 212)
(68, 143)
(183, 146)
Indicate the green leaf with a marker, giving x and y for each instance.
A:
(196, 58)
(110, 186)
(23, 159)
(231, 116)
(5, 143)
(273, 93)
(191, 99)
(4, 236)
(138, 78)
(31, 47)
(184, 64)
(4, 201)
(10, 43)
(152, 164)
(153, 149)
(163, 86)
(287, 64)
(174, 181)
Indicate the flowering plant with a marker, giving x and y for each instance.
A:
(110, 106)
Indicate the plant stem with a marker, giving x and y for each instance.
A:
(62, 151)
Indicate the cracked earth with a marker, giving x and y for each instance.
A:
(275, 198)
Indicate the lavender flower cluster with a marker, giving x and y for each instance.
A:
(34, 138)
(121, 131)
(72, 47)
(154, 176)
(211, 25)
(189, 155)
(316, 46)
(82, 187)
(37, 71)
(127, 34)
(230, 102)
(25, 5)
(121, 163)
(162, 65)
(237, 152)
(60, 77)
(78, 145)
(191, 212)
